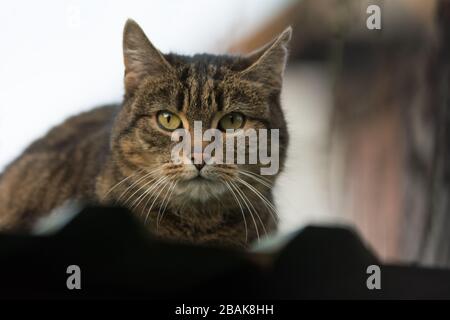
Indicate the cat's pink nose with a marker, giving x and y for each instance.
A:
(199, 166)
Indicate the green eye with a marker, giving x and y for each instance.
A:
(232, 120)
(168, 120)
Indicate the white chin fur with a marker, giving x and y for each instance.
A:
(200, 190)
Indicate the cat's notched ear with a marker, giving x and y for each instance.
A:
(267, 63)
(141, 58)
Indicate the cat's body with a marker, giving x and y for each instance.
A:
(62, 165)
(121, 154)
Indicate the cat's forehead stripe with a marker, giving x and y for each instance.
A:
(200, 99)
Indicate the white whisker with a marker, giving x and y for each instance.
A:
(165, 183)
(121, 181)
(271, 208)
(169, 191)
(135, 183)
(257, 176)
(151, 192)
(242, 209)
(244, 196)
(248, 208)
(139, 199)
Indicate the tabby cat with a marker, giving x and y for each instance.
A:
(121, 154)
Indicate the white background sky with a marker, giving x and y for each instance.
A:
(58, 58)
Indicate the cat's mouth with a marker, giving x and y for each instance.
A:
(200, 188)
(194, 184)
(199, 179)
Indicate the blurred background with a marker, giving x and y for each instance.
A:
(367, 109)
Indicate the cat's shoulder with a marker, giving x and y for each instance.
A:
(76, 128)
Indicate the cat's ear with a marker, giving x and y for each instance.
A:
(267, 63)
(141, 58)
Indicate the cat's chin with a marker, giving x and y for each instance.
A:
(199, 189)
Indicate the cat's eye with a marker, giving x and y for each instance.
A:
(232, 120)
(168, 120)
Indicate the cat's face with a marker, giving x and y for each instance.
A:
(169, 92)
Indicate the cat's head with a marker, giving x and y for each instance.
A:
(165, 92)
